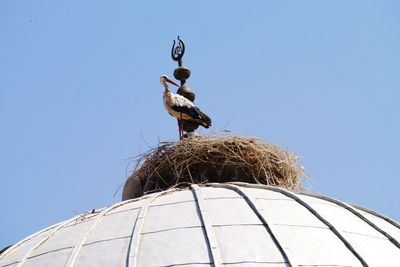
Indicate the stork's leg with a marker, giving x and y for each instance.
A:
(180, 128)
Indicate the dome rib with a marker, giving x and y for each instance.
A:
(268, 224)
(383, 217)
(359, 215)
(131, 258)
(18, 244)
(55, 230)
(204, 216)
(78, 247)
(311, 210)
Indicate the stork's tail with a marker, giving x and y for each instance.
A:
(205, 121)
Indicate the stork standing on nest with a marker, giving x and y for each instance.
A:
(182, 108)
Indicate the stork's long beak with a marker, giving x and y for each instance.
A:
(171, 82)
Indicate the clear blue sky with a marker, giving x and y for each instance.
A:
(80, 94)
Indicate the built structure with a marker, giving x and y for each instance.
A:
(231, 224)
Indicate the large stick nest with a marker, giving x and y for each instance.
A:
(200, 159)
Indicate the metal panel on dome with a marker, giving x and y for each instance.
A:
(376, 251)
(313, 246)
(16, 253)
(171, 216)
(67, 237)
(127, 206)
(174, 247)
(111, 252)
(366, 238)
(173, 196)
(114, 226)
(110, 238)
(392, 229)
(230, 212)
(262, 193)
(288, 212)
(247, 244)
(340, 217)
(54, 258)
(212, 192)
(241, 236)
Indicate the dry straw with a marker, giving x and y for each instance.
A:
(213, 158)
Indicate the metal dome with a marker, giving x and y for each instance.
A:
(220, 225)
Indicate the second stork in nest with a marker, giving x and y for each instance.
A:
(182, 108)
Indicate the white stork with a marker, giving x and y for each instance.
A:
(182, 108)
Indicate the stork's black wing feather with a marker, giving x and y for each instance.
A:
(192, 111)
